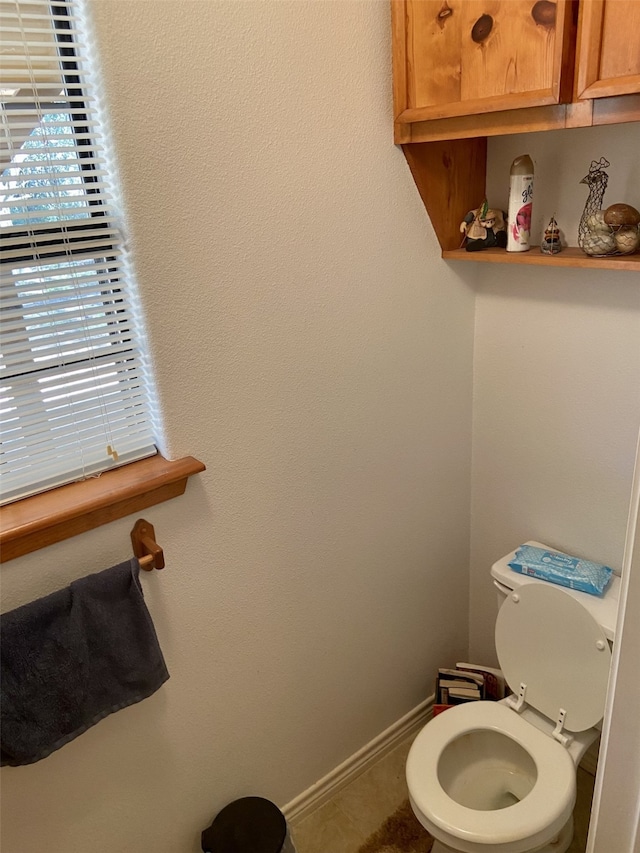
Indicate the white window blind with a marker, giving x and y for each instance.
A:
(73, 387)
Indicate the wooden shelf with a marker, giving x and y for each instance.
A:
(52, 516)
(446, 102)
(571, 257)
(450, 177)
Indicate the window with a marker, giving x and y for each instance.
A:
(74, 395)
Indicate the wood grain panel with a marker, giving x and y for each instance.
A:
(616, 110)
(434, 37)
(620, 47)
(475, 56)
(531, 120)
(399, 56)
(516, 57)
(608, 61)
(50, 517)
(571, 257)
(450, 177)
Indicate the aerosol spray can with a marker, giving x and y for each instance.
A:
(520, 204)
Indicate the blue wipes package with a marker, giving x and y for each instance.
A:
(562, 569)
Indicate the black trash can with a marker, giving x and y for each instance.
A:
(249, 825)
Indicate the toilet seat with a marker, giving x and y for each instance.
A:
(547, 643)
(536, 819)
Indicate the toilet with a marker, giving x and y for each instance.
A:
(500, 777)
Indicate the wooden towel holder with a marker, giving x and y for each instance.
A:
(149, 553)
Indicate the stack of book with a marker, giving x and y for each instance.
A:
(468, 682)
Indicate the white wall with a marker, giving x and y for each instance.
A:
(313, 351)
(556, 376)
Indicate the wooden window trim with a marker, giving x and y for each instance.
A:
(35, 522)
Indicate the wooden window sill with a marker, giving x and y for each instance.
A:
(43, 519)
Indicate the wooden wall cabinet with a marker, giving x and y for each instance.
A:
(464, 70)
(465, 57)
(609, 49)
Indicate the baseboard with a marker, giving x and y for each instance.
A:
(327, 787)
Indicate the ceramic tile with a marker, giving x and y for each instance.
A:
(326, 829)
(372, 797)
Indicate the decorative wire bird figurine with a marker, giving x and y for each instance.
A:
(590, 228)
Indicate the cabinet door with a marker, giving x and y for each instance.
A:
(609, 48)
(463, 57)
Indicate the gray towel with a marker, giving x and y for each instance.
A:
(72, 658)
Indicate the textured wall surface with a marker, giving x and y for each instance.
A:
(311, 348)
(313, 351)
(556, 377)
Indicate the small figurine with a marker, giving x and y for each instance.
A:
(551, 240)
(594, 235)
(484, 227)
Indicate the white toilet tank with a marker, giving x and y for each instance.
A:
(603, 609)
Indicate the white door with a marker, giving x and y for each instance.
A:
(615, 818)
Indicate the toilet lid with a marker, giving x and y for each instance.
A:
(547, 640)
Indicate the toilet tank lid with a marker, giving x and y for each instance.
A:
(603, 609)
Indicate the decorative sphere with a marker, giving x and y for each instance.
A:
(627, 240)
(599, 243)
(622, 216)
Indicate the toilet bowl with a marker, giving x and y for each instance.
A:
(481, 777)
(500, 777)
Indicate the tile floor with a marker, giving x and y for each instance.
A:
(344, 823)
